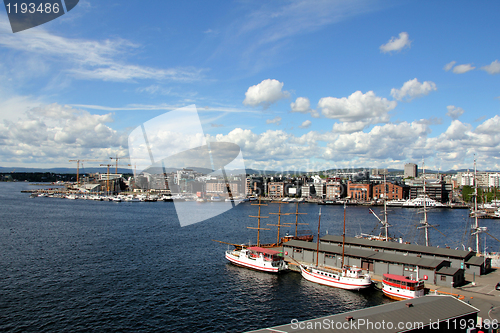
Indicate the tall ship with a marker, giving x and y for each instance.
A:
(257, 257)
(350, 278)
(400, 287)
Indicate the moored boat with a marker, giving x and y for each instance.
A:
(258, 258)
(400, 287)
(350, 278)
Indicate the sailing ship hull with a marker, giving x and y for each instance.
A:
(240, 259)
(334, 279)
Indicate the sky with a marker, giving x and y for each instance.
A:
(297, 85)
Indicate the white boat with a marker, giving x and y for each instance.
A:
(400, 287)
(350, 278)
(258, 258)
(397, 202)
(419, 202)
(215, 198)
(132, 198)
(71, 197)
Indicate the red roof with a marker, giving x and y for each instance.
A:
(264, 250)
(399, 277)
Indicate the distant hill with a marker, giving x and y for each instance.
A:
(206, 171)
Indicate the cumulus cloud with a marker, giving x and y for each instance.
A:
(460, 69)
(349, 127)
(387, 144)
(301, 104)
(59, 132)
(276, 120)
(454, 112)
(265, 93)
(412, 89)
(493, 68)
(306, 124)
(449, 65)
(396, 43)
(358, 107)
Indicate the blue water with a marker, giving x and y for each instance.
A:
(85, 266)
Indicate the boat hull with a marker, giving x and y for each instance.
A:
(335, 280)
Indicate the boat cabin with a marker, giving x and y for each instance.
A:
(403, 282)
(267, 254)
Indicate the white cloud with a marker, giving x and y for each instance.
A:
(412, 89)
(384, 145)
(276, 120)
(89, 59)
(358, 107)
(396, 43)
(493, 68)
(349, 127)
(460, 69)
(306, 124)
(454, 112)
(449, 65)
(301, 104)
(55, 133)
(265, 93)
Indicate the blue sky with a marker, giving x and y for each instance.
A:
(301, 85)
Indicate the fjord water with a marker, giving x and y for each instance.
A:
(80, 266)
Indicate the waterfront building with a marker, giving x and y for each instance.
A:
(435, 189)
(110, 176)
(484, 179)
(255, 186)
(459, 259)
(320, 189)
(411, 170)
(376, 261)
(494, 180)
(275, 189)
(390, 191)
(220, 187)
(307, 190)
(359, 191)
(334, 190)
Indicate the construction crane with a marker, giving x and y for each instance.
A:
(107, 178)
(116, 165)
(78, 168)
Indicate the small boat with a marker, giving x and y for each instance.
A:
(349, 278)
(400, 287)
(215, 198)
(258, 258)
(396, 202)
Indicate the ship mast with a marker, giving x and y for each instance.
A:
(343, 239)
(477, 229)
(425, 222)
(317, 240)
(279, 225)
(386, 224)
(258, 224)
(296, 219)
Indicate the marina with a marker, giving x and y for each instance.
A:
(75, 243)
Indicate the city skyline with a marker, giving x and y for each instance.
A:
(297, 85)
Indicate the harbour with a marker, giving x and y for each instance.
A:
(116, 266)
